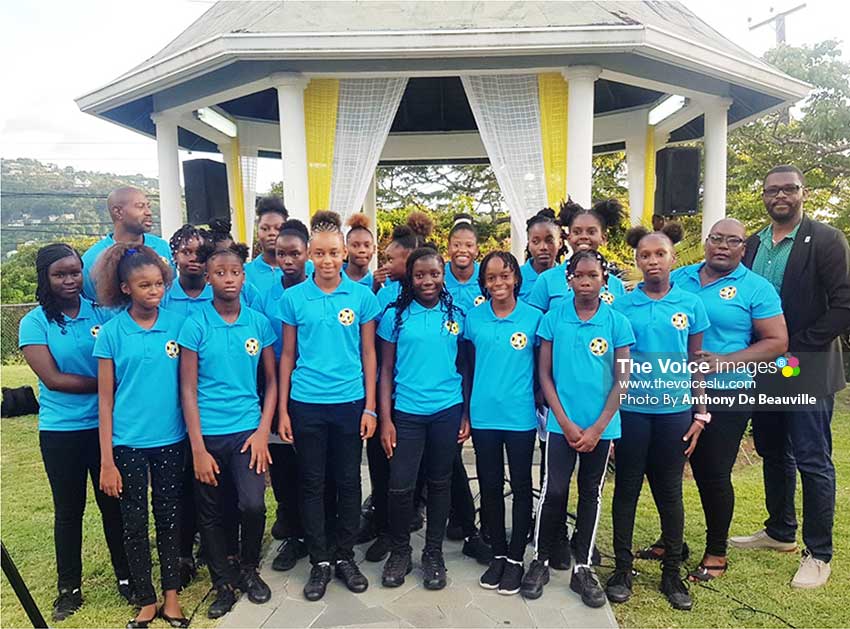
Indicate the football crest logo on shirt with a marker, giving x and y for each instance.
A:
(519, 340)
(252, 346)
(172, 349)
(479, 300)
(607, 297)
(679, 320)
(598, 346)
(346, 316)
(728, 292)
(453, 327)
(95, 330)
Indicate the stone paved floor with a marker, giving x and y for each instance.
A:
(462, 604)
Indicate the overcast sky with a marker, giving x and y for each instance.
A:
(53, 52)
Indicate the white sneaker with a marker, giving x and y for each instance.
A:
(761, 540)
(812, 573)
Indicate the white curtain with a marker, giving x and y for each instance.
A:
(248, 168)
(365, 113)
(507, 113)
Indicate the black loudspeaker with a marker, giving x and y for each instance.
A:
(677, 172)
(206, 191)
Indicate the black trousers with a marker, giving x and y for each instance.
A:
(70, 457)
(462, 502)
(792, 441)
(651, 445)
(379, 477)
(560, 463)
(189, 513)
(165, 466)
(286, 485)
(327, 439)
(214, 502)
(712, 462)
(490, 449)
(434, 439)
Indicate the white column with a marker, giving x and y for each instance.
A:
(293, 144)
(636, 166)
(714, 197)
(580, 131)
(168, 162)
(370, 209)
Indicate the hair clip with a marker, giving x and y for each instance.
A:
(461, 220)
(130, 252)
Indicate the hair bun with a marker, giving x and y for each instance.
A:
(325, 217)
(358, 220)
(610, 211)
(674, 231)
(635, 235)
(420, 224)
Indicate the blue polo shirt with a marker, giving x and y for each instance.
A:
(732, 303)
(228, 357)
(466, 295)
(146, 412)
(176, 299)
(269, 304)
(551, 287)
(583, 362)
(329, 368)
(366, 280)
(93, 253)
(661, 327)
(426, 376)
(262, 275)
(503, 384)
(71, 349)
(529, 279)
(387, 295)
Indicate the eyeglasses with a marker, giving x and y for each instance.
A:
(731, 241)
(788, 190)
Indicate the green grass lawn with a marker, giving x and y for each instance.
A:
(757, 579)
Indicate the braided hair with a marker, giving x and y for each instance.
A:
(509, 261)
(45, 257)
(115, 266)
(406, 295)
(325, 221)
(185, 234)
(547, 217)
(208, 250)
(587, 254)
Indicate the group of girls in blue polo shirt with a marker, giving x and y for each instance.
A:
(293, 373)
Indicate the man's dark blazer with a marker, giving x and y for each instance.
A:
(816, 301)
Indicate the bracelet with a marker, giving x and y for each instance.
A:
(703, 417)
(366, 411)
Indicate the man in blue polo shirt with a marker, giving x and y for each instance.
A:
(132, 222)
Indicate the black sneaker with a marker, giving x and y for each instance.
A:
(397, 566)
(253, 585)
(320, 576)
(618, 589)
(225, 599)
(187, 571)
(379, 550)
(350, 574)
(676, 592)
(289, 552)
(433, 569)
(511, 579)
(68, 601)
(535, 578)
(559, 558)
(126, 591)
(475, 547)
(584, 583)
(491, 577)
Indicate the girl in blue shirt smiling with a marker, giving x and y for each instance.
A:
(57, 340)
(327, 399)
(222, 347)
(420, 336)
(660, 427)
(141, 435)
(581, 341)
(503, 334)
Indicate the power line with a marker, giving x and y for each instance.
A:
(67, 195)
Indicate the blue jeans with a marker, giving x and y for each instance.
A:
(791, 441)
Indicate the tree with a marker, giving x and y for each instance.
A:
(18, 281)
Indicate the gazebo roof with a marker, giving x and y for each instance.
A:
(661, 46)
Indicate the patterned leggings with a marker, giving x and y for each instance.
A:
(165, 465)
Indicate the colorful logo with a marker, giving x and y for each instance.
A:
(790, 366)
(728, 292)
(519, 340)
(95, 329)
(346, 316)
(679, 320)
(172, 349)
(252, 346)
(598, 346)
(607, 297)
(479, 300)
(453, 327)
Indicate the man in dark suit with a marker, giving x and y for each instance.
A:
(808, 263)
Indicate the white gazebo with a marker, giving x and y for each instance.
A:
(334, 88)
